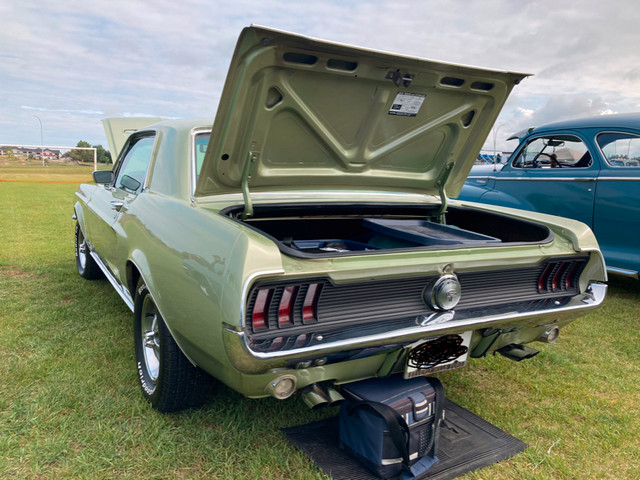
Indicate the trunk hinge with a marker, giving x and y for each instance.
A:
(246, 178)
(440, 184)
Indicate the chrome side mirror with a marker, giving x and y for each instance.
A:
(103, 177)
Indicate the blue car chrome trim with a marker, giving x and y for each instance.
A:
(559, 179)
(624, 271)
(619, 179)
(546, 179)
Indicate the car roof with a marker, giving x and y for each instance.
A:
(620, 120)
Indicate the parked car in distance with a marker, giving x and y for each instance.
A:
(586, 169)
(305, 240)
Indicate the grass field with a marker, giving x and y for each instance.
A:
(70, 405)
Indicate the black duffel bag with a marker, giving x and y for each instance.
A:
(391, 425)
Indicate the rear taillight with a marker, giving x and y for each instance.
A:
(542, 281)
(259, 314)
(283, 306)
(310, 304)
(560, 276)
(285, 314)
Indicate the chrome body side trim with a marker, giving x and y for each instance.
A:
(619, 179)
(126, 296)
(547, 179)
(528, 314)
(558, 179)
(624, 271)
(121, 289)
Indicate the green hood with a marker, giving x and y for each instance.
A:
(298, 113)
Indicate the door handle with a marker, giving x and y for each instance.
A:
(117, 205)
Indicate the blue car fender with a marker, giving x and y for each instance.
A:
(486, 194)
(496, 197)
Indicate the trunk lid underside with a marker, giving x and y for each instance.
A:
(299, 114)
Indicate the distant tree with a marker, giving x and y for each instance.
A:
(103, 155)
(82, 156)
(86, 156)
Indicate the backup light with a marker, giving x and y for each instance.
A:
(282, 387)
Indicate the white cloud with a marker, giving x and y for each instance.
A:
(73, 60)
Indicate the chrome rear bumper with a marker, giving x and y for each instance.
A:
(379, 337)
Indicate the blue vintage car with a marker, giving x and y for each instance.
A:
(586, 169)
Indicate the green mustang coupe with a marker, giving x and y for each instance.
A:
(305, 239)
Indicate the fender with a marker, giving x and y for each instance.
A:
(83, 194)
(78, 215)
(487, 194)
(471, 193)
(496, 197)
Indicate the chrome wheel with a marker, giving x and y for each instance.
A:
(87, 266)
(169, 381)
(150, 338)
(82, 250)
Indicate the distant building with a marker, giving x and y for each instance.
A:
(36, 152)
(490, 158)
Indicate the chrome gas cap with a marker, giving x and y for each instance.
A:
(444, 293)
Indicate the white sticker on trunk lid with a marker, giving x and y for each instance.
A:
(407, 104)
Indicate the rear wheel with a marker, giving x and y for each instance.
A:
(87, 266)
(169, 381)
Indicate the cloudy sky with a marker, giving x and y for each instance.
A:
(74, 62)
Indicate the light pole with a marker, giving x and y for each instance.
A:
(41, 142)
(495, 135)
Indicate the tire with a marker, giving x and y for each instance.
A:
(168, 380)
(87, 266)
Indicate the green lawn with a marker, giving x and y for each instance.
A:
(70, 405)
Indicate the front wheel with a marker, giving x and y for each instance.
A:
(167, 379)
(87, 266)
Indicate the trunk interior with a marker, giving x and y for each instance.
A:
(335, 230)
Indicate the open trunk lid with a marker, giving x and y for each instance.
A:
(298, 113)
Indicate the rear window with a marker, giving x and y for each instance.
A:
(620, 149)
(201, 143)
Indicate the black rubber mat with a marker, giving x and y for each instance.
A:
(467, 442)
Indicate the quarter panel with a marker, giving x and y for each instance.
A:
(194, 269)
(617, 217)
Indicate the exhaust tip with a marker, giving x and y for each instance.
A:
(314, 400)
(517, 352)
(550, 336)
(317, 395)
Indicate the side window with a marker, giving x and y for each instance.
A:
(133, 168)
(201, 143)
(620, 149)
(554, 151)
